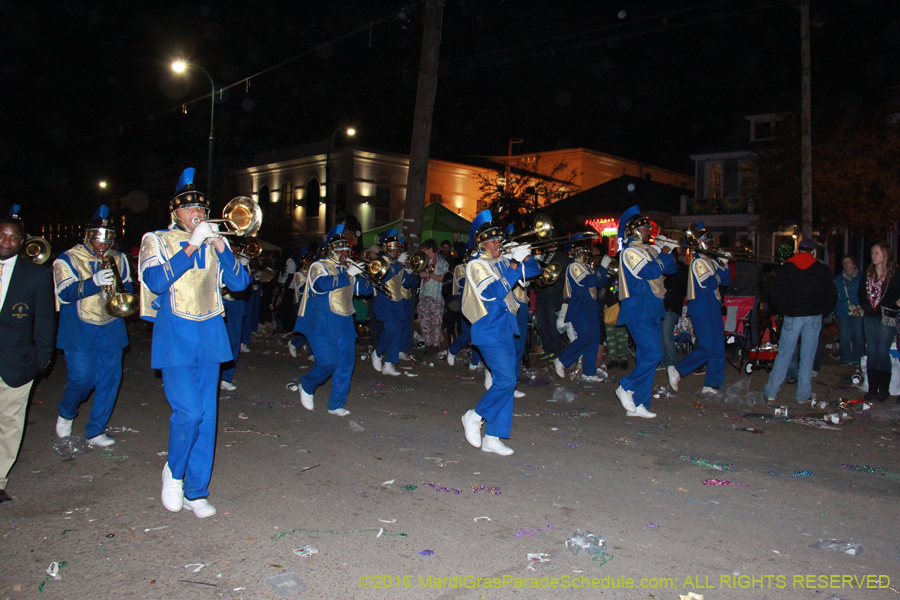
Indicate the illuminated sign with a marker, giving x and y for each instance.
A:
(606, 227)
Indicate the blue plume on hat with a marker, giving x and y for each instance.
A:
(480, 219)
(623, 220)
(303, 251)
(187, 177)
(508, 229)
(386, 234)
(102, 212)
(336, 230)
(14, 211)
(701, 226)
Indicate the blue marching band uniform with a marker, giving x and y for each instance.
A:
(394, 311)
(490, 305)
(580, 309)
(641, 292)
(235, 313)
(704, 307)
(465, 336)
(182, 274)
(325, 317)
(299, 285)
(92, 339)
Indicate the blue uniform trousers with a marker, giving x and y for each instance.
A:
(251, 315)
(519, 342)
(647, 336)
(335, 358)
(298, 340)
(191, 392)
(389, 341)
(234, 324)
(710, 332)
(587, 345)
(464, 339)
(100, 369)
(496, 406)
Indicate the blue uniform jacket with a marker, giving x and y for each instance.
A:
(78, 336)
(499, 323)
(178, 341)
(392, 310)
(582, 312)
(318, 319)
(706, 303)
(642, 303)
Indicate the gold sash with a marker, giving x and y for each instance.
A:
(477, 271)
(340, 300)
(91, 309)
(579, 271)
(459, 273)
(702, 267)
(197, 294)
(634, 257)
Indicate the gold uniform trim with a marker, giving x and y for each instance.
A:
(702, 268)
(91, 309)
(579, 270)
(340, 300)
(634, 258)
(480, 273)
(459, 274)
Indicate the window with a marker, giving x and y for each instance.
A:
(714, 180)
(435, 198)
(287, 198)
(382, 205)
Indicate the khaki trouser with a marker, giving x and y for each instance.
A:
(13, 402)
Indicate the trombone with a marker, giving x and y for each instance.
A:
(373, 271)
(242, 215)
(250, 249)
(37, 250)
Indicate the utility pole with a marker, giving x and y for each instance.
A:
(414, 210)
(805, 125)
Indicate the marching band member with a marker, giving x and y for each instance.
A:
(580, 309)
(91, 338)
(465, 336)
(181, 291)
(489, 304)
(298, 284)
(641, 290)
(326, 319)
(234, 303)
(704, 307)
(520, 293)
(392, 311)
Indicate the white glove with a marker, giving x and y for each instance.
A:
(561, 318)
(520, 253)
(353, 270)
(663, 242)
(244, 260)
(404, 256)
(201, 233)
(605, 261)
(104, 277)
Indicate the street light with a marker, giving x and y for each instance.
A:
(350, 132)
(180, 66)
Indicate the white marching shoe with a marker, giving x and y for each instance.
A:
(200, 507)
(172, 491)
(389, 369)
(560, 369)
(101, 441)
(488, 379)
(641, 411)
(493, 444)
(626, 399)
(709, 391)
(598, 378)
(518, 394)
(292, 350)
(228, 386)
(245, 348)
(451, 359)
(473, 367)
(472, 425)
(63, 427)
(306, 399)
(377, 361)
(339, 412)
(674, 377)
(404, 356)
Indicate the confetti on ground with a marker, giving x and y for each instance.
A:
(529, 532)
(650, 525)
(602, 558)
(705, 463)
(796, 473)
(571, 445)
(722, 482)
(481, 488)
(409, 488)
(441, 488)
(292, 532)
(426, 553)
(866, 469)
(249, 430)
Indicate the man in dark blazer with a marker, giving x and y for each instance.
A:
(27, 331)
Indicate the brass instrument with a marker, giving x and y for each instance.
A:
(250, 249)
(37, 250)
(563, 239)
(417, 262)
(542, 229)
(119, 303)
(242, 214)
(550, 274)
(373, 271)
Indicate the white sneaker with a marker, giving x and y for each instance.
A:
(560, 369)
(101, 441)
(404, 356)
(200, 507)
(674, 377)
(451, 359)
(488, 379)
(493, 444)
(390, 369)
(626, 399)
(518, 394)
(339, 412)
(306, 399)
(472, 424)
(227, 386)
(245, 348)
(172, 491)
(473, 367)
(63, 427)
(292, 350)
(641, 411)
(598, 378)
(709, 391)
(377, 361)
(310, 358)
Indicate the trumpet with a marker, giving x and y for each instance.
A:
(37, 250)
(119, 303)
(242, 215)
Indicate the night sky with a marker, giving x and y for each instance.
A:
(88, 93)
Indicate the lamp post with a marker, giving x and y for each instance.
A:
(180, 66)
(329, 205)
